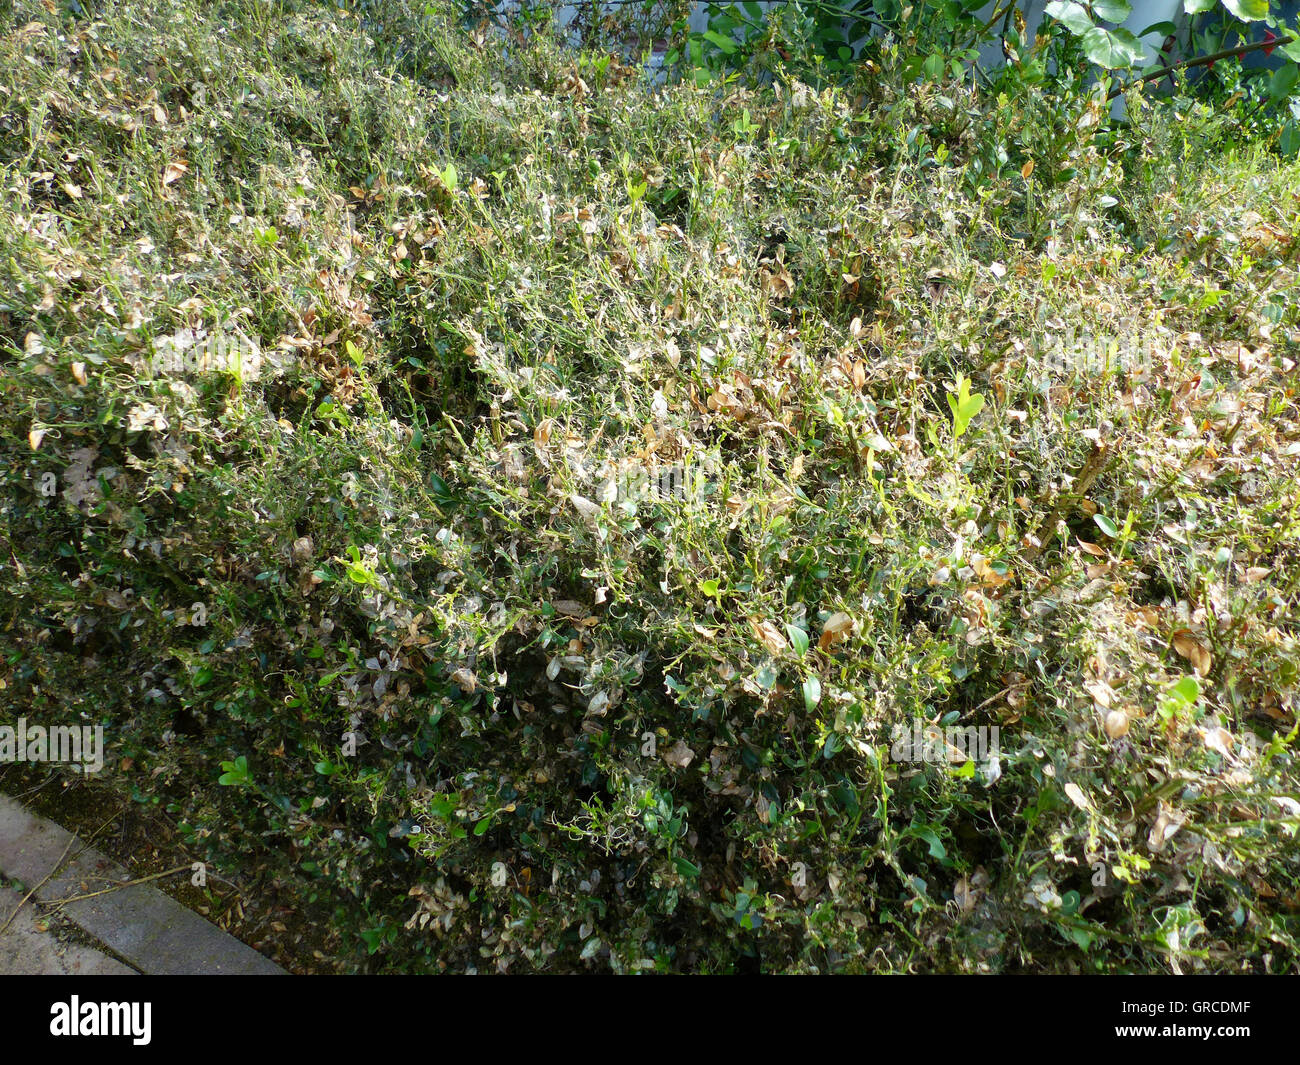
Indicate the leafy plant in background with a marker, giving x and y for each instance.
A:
(1213, 33)
(937, 40)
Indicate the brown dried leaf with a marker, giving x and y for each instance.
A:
(770, 636)
(175, 170)
(1191, 648)
(837, 628)
(465, 679)
(1166, 826)
(1116, 724)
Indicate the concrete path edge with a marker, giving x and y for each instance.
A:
(151, 931)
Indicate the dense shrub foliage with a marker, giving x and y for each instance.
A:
(526, 512)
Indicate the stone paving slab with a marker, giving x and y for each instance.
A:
(153, 932)
(27, 951)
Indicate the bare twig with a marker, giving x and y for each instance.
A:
(54, 869)
(1203, 60)
(1097, 461)
(23, 902)
(56, 903)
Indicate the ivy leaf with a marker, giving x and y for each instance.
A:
(441, 491)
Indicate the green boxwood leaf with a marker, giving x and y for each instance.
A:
(1185, 692)
(1082, 937)
(937, 849)
(964, 405)
(798, 639)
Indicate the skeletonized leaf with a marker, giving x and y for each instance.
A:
(587, 510)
